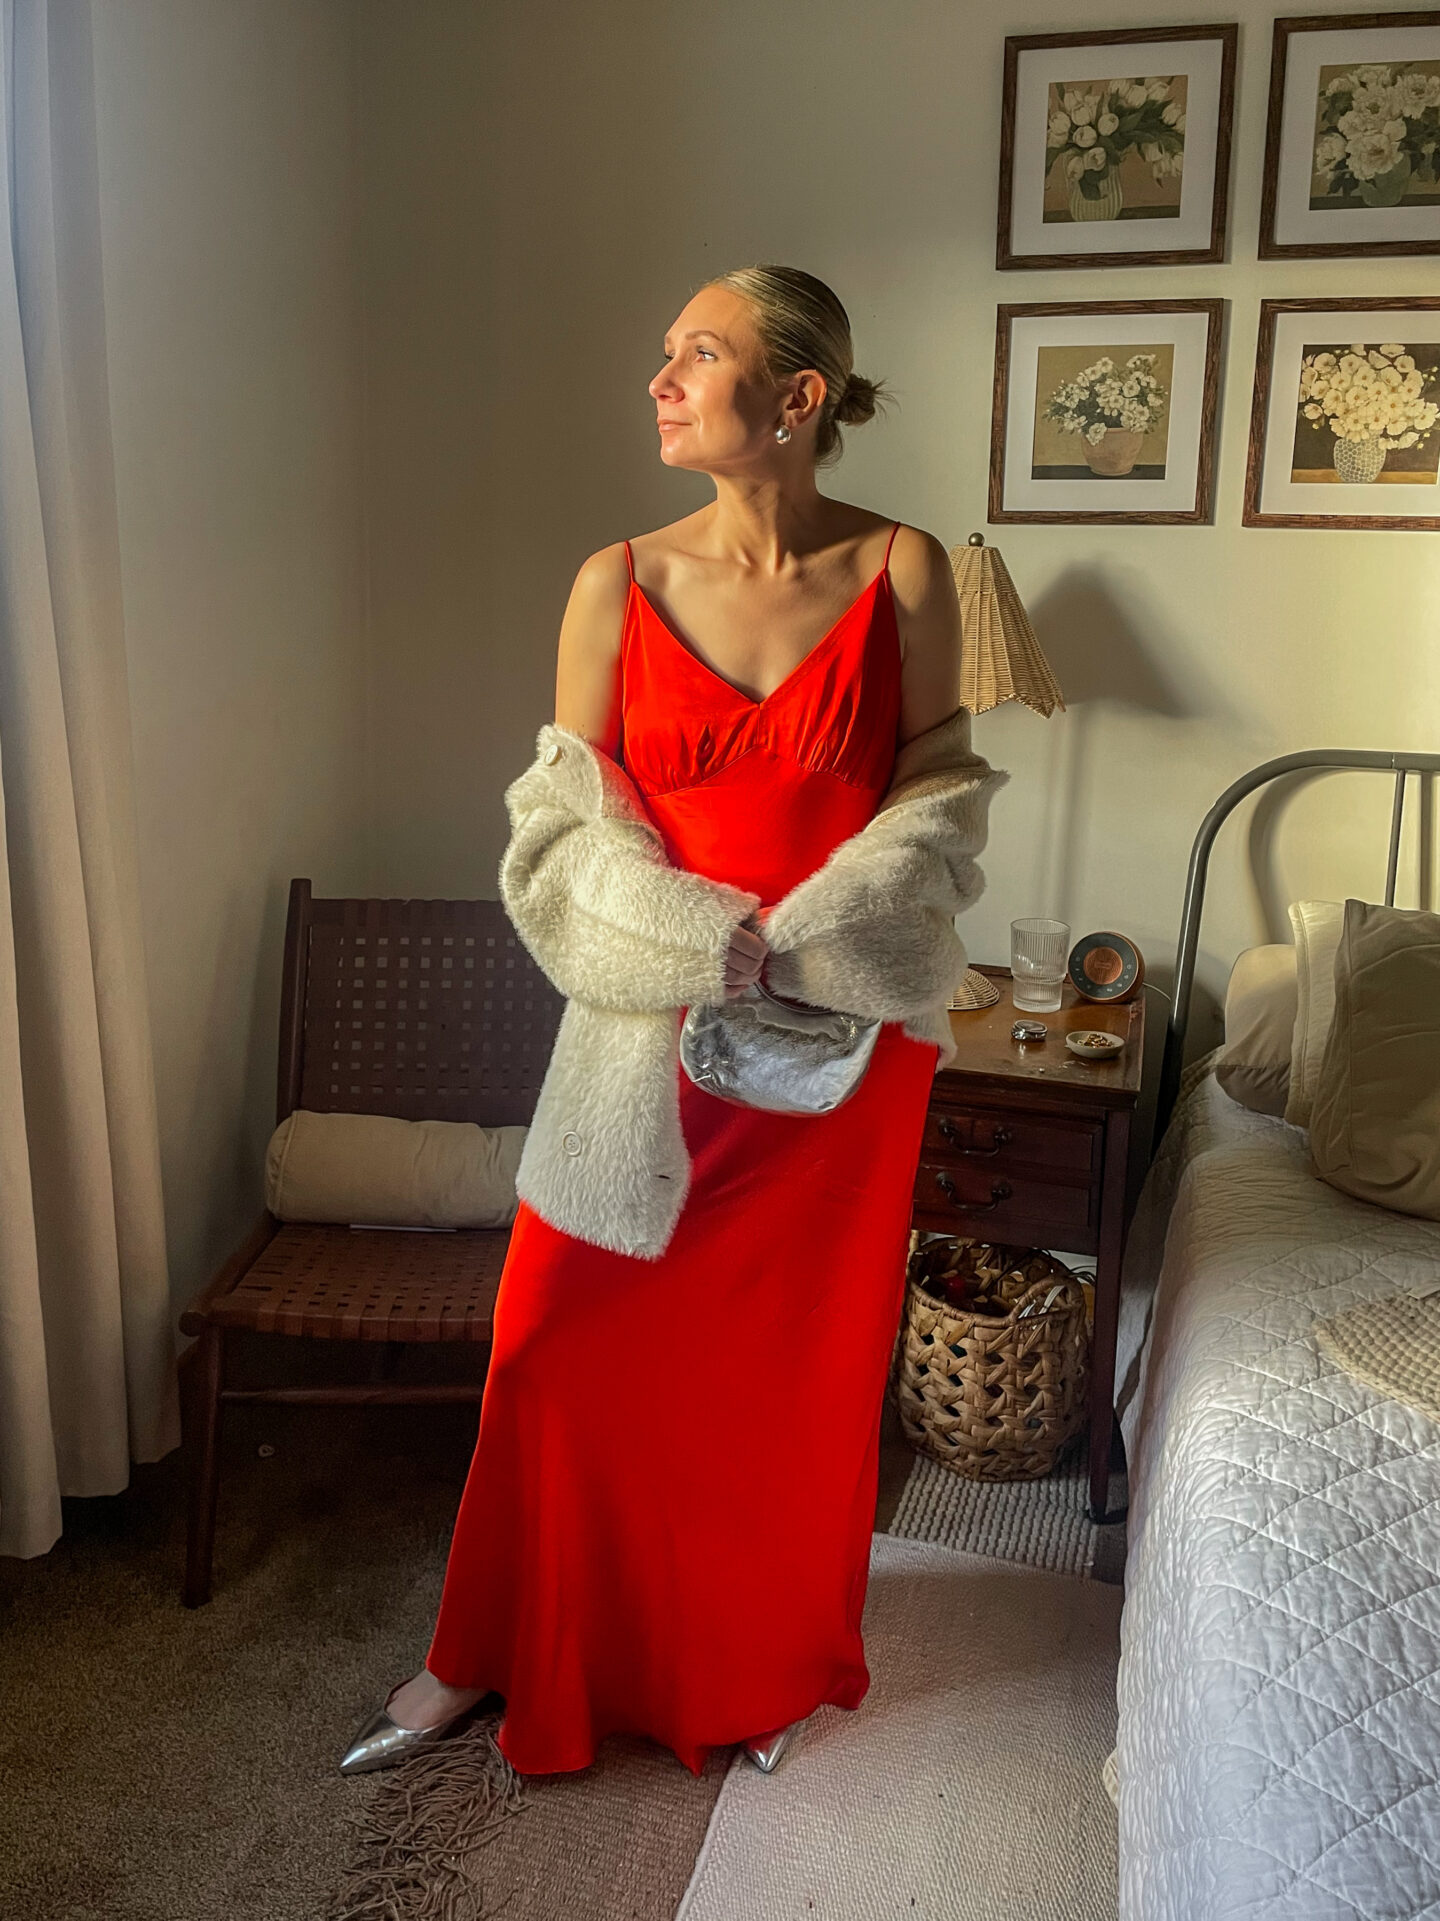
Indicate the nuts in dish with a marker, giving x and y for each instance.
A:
(1091, 1044)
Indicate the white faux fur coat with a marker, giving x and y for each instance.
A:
(630, 939)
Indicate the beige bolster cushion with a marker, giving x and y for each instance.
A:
(1260, 1004)
(1375, 1121)
(1316, 925)
(371, 1169)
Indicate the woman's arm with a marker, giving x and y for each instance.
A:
(587, 672)
(927, 610)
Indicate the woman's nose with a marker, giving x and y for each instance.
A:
(663, 383)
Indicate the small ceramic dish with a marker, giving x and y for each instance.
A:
(1090, 1044)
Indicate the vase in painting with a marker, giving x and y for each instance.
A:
(1107, 203)
(1358, 460)
(1116, 453)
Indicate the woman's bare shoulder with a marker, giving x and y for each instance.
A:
(601, 579)
(919, 563)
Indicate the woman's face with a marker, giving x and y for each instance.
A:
(715, 411)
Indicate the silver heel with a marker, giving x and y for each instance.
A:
(381, 1742)
(766, 1749)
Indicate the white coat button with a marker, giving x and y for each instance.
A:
(552, 754)
(572, 1143)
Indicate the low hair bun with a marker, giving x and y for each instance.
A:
(858, 400)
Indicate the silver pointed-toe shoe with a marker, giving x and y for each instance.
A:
(766, 1749)
(382, 1742)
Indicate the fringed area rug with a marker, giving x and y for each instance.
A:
(422, 1827)
(454, 1834)
(968, 1784)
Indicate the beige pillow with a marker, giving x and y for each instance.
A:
(371, 1169)
(1375, 1122)
(1260, 1003)
(1317, 925)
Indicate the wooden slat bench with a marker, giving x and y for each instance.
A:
(422, 1009)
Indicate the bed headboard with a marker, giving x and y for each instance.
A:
(1400, 765)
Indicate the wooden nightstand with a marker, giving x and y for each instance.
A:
(1026, 1144)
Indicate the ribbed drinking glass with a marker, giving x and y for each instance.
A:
(1038, 952)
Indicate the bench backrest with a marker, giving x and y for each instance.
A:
(423, 1009)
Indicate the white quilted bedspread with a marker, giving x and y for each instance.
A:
(1279, 1687)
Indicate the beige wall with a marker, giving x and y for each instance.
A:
(385, 285)
(545, 184)
(227, 224)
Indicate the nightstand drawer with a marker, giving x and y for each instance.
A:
(987, 1137)
(992, 1203)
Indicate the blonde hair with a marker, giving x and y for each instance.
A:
(801, 323)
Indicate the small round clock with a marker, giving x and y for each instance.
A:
(1106, 967)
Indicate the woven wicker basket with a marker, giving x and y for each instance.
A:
(992, 1392)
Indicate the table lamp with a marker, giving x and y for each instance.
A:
(1000, 660)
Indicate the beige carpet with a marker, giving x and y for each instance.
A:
(967, 1786)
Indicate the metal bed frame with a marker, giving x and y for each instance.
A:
(1400, 765)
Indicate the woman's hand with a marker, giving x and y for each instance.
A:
(745, 956)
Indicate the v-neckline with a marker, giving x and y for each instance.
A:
(803, 662)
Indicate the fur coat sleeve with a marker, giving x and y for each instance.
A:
(629, 940)
(586, 882)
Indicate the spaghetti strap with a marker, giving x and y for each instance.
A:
(890, 543)
(630, 562)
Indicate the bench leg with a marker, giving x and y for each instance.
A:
(202, 1447)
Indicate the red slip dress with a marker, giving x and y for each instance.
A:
(665, 1529)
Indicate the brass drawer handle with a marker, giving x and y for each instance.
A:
(1000, 1137)
(999, 1193)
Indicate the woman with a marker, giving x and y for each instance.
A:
(666, 1525)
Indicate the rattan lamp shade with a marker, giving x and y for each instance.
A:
(1000, 660)
(1000, 657)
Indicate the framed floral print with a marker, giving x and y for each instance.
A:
(1105, 410)
(1115, 147)
(1345, 429)
(1352, 149)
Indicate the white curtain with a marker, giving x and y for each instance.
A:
(87, 1341)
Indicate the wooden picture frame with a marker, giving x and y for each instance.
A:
(1052, 389)
(1059, 206)
(1294, 340)
(1319, 135)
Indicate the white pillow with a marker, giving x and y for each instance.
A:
(1260, 1002)
(372, 1169)
(1318, 925)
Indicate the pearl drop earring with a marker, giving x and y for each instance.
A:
(782, 433)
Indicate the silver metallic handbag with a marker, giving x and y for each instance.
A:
(759, 1049)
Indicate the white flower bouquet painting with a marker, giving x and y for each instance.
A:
(1110, 412)
(1105, 410)
(1353, 147)
(1377, 131)
(1371, 404)
(1346, 430)
(1115, 146)
(1115, 149)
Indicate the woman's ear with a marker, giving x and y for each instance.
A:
(804, 396)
